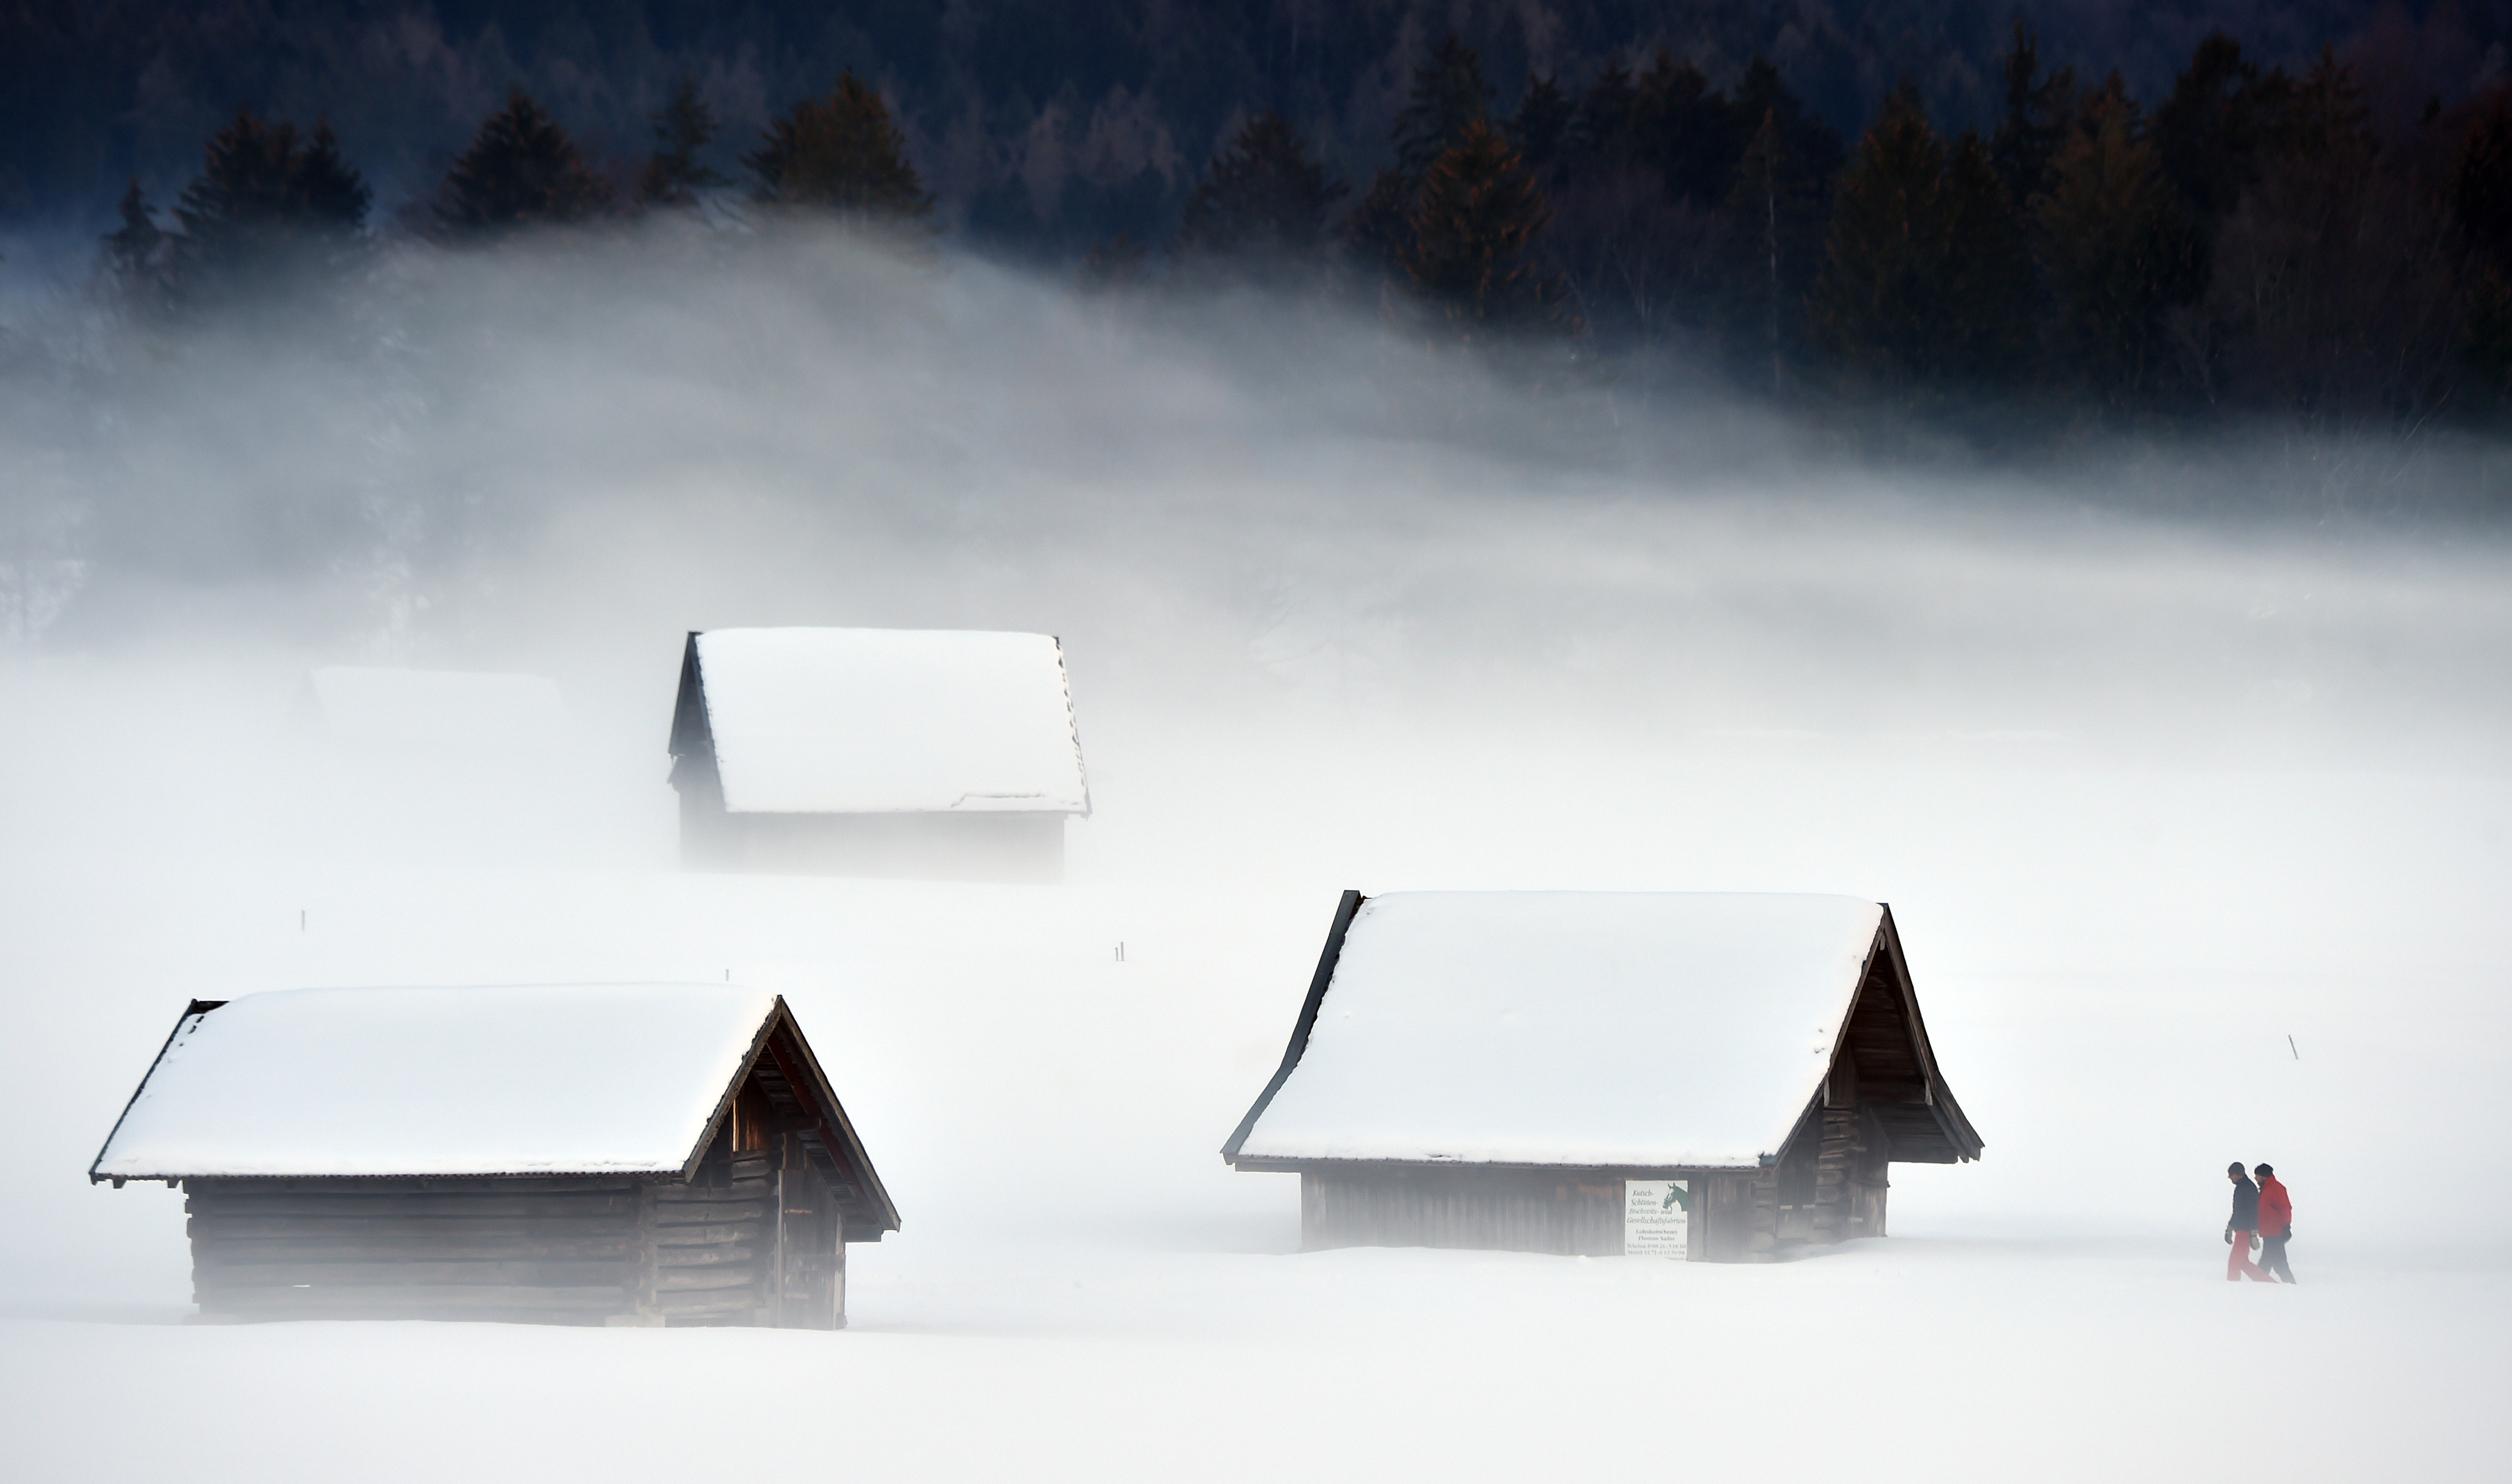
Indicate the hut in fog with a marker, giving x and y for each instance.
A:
(875, 752)
(644, 1154)
(1709, 1076)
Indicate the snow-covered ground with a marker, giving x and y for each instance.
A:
(2111, 963)
(2199, 839)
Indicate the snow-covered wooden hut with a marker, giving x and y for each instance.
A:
(877, 752)
(1711, 1076)
(640, 1154)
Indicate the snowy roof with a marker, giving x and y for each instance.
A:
(522, 1079)
(359, 704)
(1652, 1029)
(888, 720)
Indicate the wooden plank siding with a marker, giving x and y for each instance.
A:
(1574, 1214)
(1571, 1212)
(754, 1238)
(557, 1251)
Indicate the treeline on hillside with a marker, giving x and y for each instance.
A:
(2247, 243)
(1041, 127)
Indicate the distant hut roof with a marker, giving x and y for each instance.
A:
(882, 720)
(1602, 1028)
(530, 1080)
(357, 703)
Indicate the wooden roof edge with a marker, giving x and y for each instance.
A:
(609, 1172)
(1965, 1138)
(1345, 908)
(190, 1010)
(833, 1115)
(731, 1090)
(691, 734)
(1958, 1129)
(1072, 726)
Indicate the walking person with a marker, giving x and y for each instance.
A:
(2276, 1221)
(2243, 1229)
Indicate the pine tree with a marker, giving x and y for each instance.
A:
(1114, 264)
(2481, 185)
(1682, 132)
(683, 127)
(1541, 127)
(1990, 292)
(1263, 202)
(840, 154)
(2334, 279)
(520, 170)
(1876, 302)
(1476, 231)
(2322, 113)
(138, 255)
(1927, 284)
(1447, 96)
(1761, 93)
(2040, 109)
(139, 244)
(2120, 255)
(2481, 202)
(1769, 251)
(2208, 132)
(266, 202)
(1600, 131)
(336, 197)
(1380, 229)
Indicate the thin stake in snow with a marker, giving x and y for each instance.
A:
(2290, 1046)
(1120, 952)
(300, 919)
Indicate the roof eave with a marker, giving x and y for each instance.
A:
(731, 1089)
(834, 1119)
(93, 1177)
(1345, 908)
(644, 1172)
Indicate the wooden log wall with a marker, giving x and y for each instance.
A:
(558, 1251)
(1722, 1218)
(707, 1246)
(1869, 1174)
(552, 1251)
(1484, 1210)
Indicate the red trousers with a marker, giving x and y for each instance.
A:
(2238, 1262)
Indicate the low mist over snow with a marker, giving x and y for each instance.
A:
(2182, 768)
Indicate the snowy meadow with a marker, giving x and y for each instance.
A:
(2184, 771)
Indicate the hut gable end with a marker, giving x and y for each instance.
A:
(693, 748)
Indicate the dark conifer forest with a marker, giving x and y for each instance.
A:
(2142, 213)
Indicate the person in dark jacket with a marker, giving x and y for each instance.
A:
(2243, 1229)
(2276, 1221)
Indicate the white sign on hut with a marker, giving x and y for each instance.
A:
(1712, 1076)
(639, 1153)
(877, 752)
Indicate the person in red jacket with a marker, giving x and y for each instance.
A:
(2276, 1221)
(2241, 1231)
